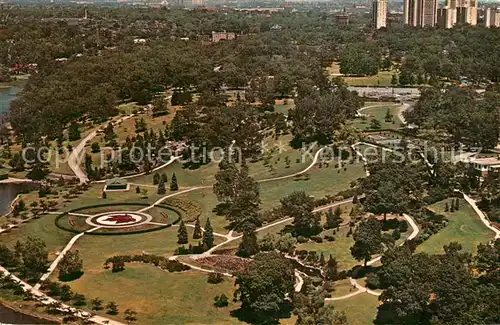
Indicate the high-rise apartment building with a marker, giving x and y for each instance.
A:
(379, 13)
(420, 13)
(487, 17)
(447, 17)
(466, 11)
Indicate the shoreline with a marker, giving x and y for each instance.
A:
(16, 313)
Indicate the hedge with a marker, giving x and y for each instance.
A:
(4, 176)
(59, 217)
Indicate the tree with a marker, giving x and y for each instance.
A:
(221, 301)
(375, 124)
(95, 147)
(331, 269)
(112, 308)
(309, 306)
(248, 245)
(300, 206)
(74, 131)
(208, 235)
(33, 255)
(156, 179)
(96, 304)
(173, 183)
(130, 316)
(367, 240)
(138, 189)
(264, 285)
(333, 218)
(164, 177)
(79, 299)
(161, 188)
(182, 234)
(197, 233)
(71, 266)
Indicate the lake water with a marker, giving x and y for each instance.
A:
(6, 96)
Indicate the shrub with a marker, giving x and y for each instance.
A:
(372, 281)
(317, 239)
(302, 239)
(176, 266)
(330, 238)
(221, 301)
(215, 278)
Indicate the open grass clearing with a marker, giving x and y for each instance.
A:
(464, 227)
(159, 297)
(383, 79)
(360, 309)
(272, 164)
(44, 228)
(379, 113)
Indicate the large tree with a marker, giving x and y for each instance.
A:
(300, 206)
(264, 286)
(368, 240)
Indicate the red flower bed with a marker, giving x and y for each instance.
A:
(230, 264)
(123, 218)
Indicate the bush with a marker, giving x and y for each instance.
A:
(176, 266)
(330, 238)
(372, 281)
(215, 278)
(317, 239)
(302, 239)
(221, 301)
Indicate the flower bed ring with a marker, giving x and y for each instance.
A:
(119, 219)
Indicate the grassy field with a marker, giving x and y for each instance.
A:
(379, 113)
(44, 228)
(360, 309)
(94, 197)
(159, 297)
(464, 227)
(322, 181)
(383, 79)
(340, 248)
(273, 166)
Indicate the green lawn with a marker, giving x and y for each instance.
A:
(360, 309)
(379, 113)
(94, 194)
(322, 181)
(464, 227)
(44, 228)
(383, 78)
(273, 166)
(160, 297)
(340, 248)
(207, 201)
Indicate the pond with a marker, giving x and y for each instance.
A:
(6, 96)
(8, 192)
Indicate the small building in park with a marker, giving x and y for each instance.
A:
(485, 164)
(116, 184)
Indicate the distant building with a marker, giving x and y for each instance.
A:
(447, 17)
(491, 17)
(484, 165)
(379, 13)
(342, 19)
(420, 13)
(222, 36)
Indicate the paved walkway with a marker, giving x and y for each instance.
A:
(481, 215)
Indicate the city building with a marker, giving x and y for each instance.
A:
(446, 17)
(342, 19)
(491, 17)
(487, 17)
(222, 36)
(484, 165)
(420, 13)
(379, 13)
